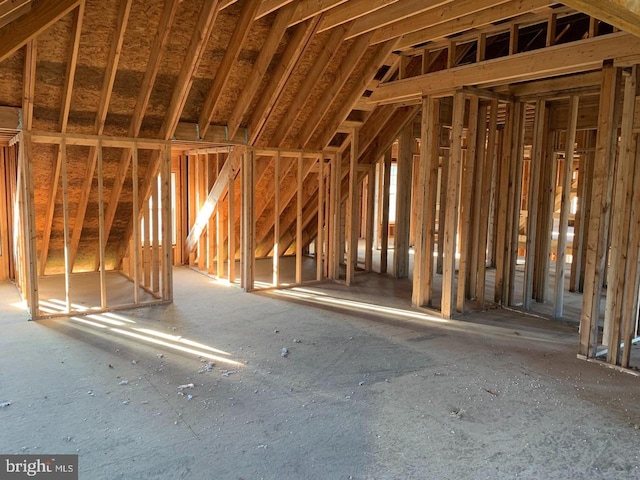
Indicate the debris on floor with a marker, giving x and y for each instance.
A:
(124, 382)
(296, 340)
(160, 355)
(284, 352)
(134, 362)
(457, 412)
(185, 386)
(4, 404)
(207, 368)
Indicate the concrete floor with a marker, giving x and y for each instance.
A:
(366, 393)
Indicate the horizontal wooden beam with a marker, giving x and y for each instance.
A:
(189, 132)
(55, 138)
(562, 59)
(42, 15)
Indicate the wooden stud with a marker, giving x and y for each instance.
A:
(451, 216)
(551, 30)
(600, 206)
(428, 173)
(384, 227)
(155, 237)
(30, 260)
(532, 207)
(321, 214)
(248, 221)
(146, 245)
(65, 215)
(565, 206)
(481, 48)
(276, 222)
(579, 219)
(101, 236)
(167, 222)
(135, 255)
(201, 178)
(352, 210)
(299, 221)
(231, 234)
(370, 212)
(486, 187)
(465, 236)
(403, 203)
(620, 221)
(513, 39)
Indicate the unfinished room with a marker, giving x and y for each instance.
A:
(324, 239)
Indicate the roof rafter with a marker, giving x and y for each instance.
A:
(430, 18)
(307, 10)
(349, 11)
(301, 36)
(101, 116)
(41, 16)
(392, 13)
(349, 62)
(312, 78)
(72, 61)
(346, 105)
(458, 20)
(240, 33)
(157, 51)
(260, 68)
(619, 13)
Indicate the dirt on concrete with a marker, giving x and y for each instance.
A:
(200, 389)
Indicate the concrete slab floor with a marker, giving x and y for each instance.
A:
(361, 395)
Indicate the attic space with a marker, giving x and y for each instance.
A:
(219, 190)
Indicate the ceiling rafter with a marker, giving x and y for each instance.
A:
(76, 30)
(259, 70)
(623, 14)
(392, 13)
(240, 33)
(348, 64)
(299, 39)
(41, 16)
(346, 105)
(101, 116)
(458, 21)
(351, 10)
(197, 46)
(153, 66)
(313, 77)
(306, 10)
(429, 18)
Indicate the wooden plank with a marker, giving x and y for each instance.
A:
(403, 203)
(533, 201)
(248, 221)
(451, 216)
(632, 283)
(351, 10)
(347, 65)
(135, 239)
(167, 222)
(65, 215)
(620, 221)
(238, 37)
(465, 235)
(276, 221)
(231, 234)
(24, 29)
(579, 221)
(565, 206)
(622, 14)
(55, 138)
(204, 213)
(501, 235)
(30, 255)
(200, 199)
(259, 70)
(146, 245)
(392, 13)
(299, 206)
(487, 173)
(197, 47)
(279, 77)
(328, 53)
(321, 214)
(370, 216)
(572, 57)
(436, 16)
(306, 10)
(353, 209)
(334, 216)
(101, 231)
(428, 173)
(356, 92)
(451, 24)
(600, 206)
(155, 237)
